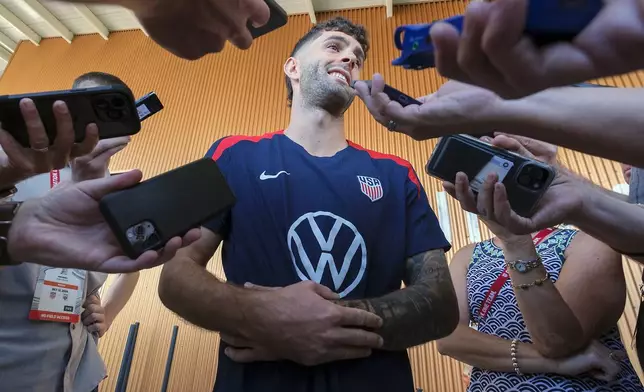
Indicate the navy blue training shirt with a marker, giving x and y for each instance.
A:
(348, 222)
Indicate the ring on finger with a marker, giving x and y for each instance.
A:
(44, 149)
(613, 356)
(391, 125)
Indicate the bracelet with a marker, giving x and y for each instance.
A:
(537, 282)
(513, 355)
(523, 266)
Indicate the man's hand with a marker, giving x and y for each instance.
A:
(454, 108)
(94, 165)
(21, 163)
(93, 317)
(563, 199)
(66, 229)
(196, 28)
(300, 323)
(493, 52)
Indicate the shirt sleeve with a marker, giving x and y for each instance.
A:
(221, 223)
(423, 230)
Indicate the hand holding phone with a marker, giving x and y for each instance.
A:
(110, 108)
(525, 179)
(149, 214)
(40, 155)
(393, 94)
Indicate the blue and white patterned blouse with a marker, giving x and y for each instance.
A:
(505, 321)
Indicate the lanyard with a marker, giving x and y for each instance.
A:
(493, 292)
(54, 178)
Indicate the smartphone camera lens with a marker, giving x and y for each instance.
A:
(524, 179)
(114, 114)
(118, 102)
(102, 104)
(533, 177)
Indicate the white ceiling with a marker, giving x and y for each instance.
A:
(33, 20)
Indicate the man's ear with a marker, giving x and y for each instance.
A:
(292, 68)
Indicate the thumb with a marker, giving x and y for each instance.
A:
(325, 292)
(259, 13)
(377, 84)
(101, 187)
(511, 144)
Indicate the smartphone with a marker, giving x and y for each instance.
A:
(147, 215)
(148, 106)
(278, 19)
(525, 179)
(112, 108)
(393, 94)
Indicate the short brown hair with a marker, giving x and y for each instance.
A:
(100, 78)
(340, 24)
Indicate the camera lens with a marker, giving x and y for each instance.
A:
(118, 102)
(102, 104)
(524, 179)
(114, 114)
(538, 174)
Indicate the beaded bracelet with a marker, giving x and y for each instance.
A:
(513, 355)
(537, 282)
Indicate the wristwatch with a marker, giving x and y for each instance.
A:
(524, 266)
(8, 211)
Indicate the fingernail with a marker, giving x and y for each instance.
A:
(61, 107)
(227, 351)
(486, 139)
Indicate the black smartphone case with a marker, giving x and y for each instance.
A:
(169, 205)
(463, 153)
(278, 19)
(396, 95)
(111, 108)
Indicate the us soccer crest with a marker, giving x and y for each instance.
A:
(371, 187)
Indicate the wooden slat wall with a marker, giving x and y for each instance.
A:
(243, 92)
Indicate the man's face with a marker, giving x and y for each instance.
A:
(626, 171)
(328, 65)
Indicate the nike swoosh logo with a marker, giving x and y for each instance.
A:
(265, 176)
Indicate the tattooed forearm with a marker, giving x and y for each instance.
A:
(423, 311)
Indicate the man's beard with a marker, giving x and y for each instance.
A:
(319, 90)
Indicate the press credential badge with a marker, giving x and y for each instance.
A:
(58, 295)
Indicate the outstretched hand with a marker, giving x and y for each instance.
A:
(493, 52)
(454, 108)
(562, 200)
(66, 229)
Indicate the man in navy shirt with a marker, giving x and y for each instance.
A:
(316, 248)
